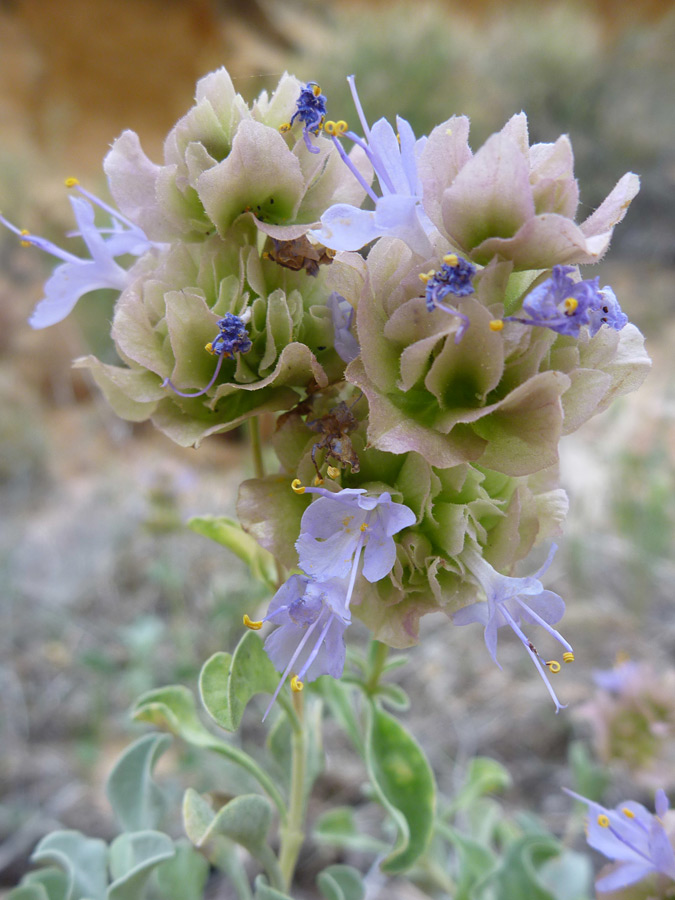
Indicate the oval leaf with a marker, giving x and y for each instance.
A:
(227, 682)
(132, 859)
(83, 859)
(183, 877)
(229, 533)
(341, 883)
(136, 800)
(404, 783)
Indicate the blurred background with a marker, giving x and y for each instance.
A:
(105, 593)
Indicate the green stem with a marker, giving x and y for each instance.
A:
(256, 447)
(292, 834)
(379, 657)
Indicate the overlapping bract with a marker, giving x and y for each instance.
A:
(457, 350)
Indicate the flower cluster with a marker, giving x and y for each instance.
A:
(428, 376)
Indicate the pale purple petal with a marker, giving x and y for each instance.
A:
(344, 227)
(379, 557)
(628, 873)
(68, 283)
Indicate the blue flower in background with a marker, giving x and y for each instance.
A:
(77, 277)
(398, 211)
(342, 314)
(504, 605)
(632, 837)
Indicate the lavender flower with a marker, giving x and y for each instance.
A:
(563, 305)
(505, 606)
(305, 609)
(311, 110)
(342, 313)
(632, 837)
(454, 277)
(399, 211)
(77, 277)
(335, 528)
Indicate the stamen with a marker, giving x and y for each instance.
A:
(427, 276)
(364, 526)
(603, 821)
(168, 383)
(209, 348)
(628, 812)
(568, 657)
(333, 472)
(496, 324)
(285, 127)
(553, 666)
(298, 486)
(335, 129)
(71, 182)
(250, 623)
(355, 172)
(296, 684)
(451, 259)
(570, 304)
(316, 90)
(318, 481)
(26, 233)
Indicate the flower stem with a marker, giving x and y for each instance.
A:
(379, 654)
(256, 447)
(292, 833)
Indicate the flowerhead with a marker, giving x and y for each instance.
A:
(505, 604)
(632, 837)
(337, 526)
(76, 276)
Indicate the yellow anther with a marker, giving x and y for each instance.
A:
(568, 656)
(249, 623)
(333, 471)
(570, 305)
(285, 127)
(554, 666)
(628, 812)
(25, 232)
(265, 255)
(496, 324)
(318, 480)
(316, 90)
(298, 486)
(364, 527)
(335, 128)
(450, 259)
(71, 182)
(427, 276)
(208, 347)
(603, 821)
(296, 684)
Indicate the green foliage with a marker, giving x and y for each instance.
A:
(228, 681)
(588, 778)
(82, 859)
(136, 800)
(404, 783)
(341, 883)
(184, 876)
(229, 533)
(484, 776)
(132, 859)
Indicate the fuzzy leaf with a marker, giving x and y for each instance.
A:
(404, 783)
(83, 860)
(136, 800)
(229, 533)
(132, 860)
(184, 876)
(227, 682)
(341, 882)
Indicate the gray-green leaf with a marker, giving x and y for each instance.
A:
(83, 859)
(136, 800)
(341, 883)
(229, 533)
(132, 859)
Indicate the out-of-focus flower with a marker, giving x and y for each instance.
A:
(564, 305)
(342, 313)
(631, 836)
(632, 720)
(505, 606)
(337, 526)
(77, 276)
(398, 211)
(311, 619)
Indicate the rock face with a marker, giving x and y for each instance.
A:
(74, 74)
